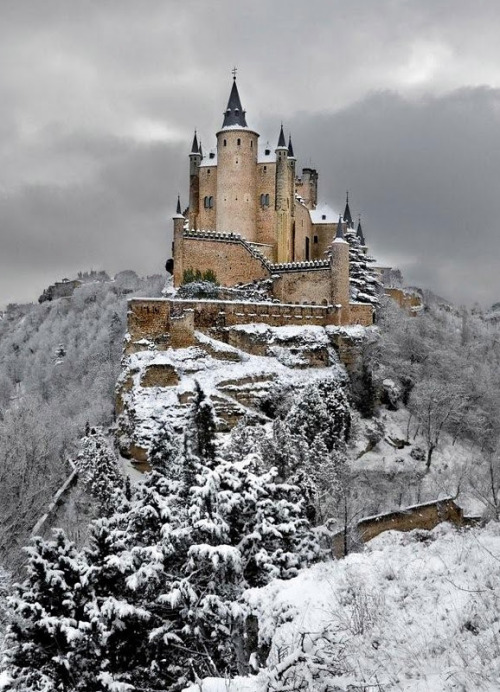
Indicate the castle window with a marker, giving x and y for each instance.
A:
(210, 202)
(315, 239)
(307, 250)
(238, 141)
(264, 201)
(267, 152)
(224, 142)
(251, 144)
(267, 200)
(323, 217)
(205, 202)
(265, 169)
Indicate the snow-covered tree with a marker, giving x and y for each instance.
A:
(363, 282)
(48, 638)
(99, 470)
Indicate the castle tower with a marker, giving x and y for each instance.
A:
(291, 189)
(339, 266)
(177, 249)
(283, 200)
(194, 182)
(236, 201)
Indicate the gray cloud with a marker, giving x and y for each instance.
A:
(396, 101)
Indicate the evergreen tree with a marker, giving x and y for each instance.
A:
(99, 470)
(203, 418)
(48, 645)
(364, 284)
(322, 410)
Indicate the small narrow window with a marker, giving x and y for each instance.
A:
(267, 200)
(323, 217)
(224, 142)
(210, 202)
(265, 169)
(262, 200)
(205, 202)
(238, 141)
(251, 144)
(315, 239)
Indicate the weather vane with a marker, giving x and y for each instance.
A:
(235, 70)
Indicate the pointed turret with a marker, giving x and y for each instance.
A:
(340, 233)
(194, 147)
(234, 114)
(281, 139)
(200, 151)
(291, 155)
(347, 213)
(359, 232)
(178, 211)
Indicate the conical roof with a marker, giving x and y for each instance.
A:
(347, 213)
(194, 146)
(234, 115)
(281, 139)
(290, 147)
(359, 232)
(178, 210)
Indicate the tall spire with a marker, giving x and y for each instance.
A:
(290, 148)
(281, 139)
(340, 232)
(194, 147)
(347, 212)
(234, 115)
(178, 210)
(200, 150)
(359, 232)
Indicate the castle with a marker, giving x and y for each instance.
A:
(250, 218)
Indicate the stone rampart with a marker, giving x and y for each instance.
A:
(425, 516)
(166, 322)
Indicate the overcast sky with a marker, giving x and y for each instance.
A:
(397, 101)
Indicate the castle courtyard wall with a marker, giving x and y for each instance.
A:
(231, 261)
(311, 286)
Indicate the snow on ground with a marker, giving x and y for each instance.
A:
(415, 612)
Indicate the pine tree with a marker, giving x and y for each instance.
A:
(322, 410)
(364, 284)
(48, 645)
(203, 418)
(99, 470)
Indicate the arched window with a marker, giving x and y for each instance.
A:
(267, 201)
(210, 202)
(262, 200)
(205, 202)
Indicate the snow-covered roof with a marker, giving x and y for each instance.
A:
(324, 214)
(209, 159)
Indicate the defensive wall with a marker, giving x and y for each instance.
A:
(165, 322)
(234, 261)
(423, 516)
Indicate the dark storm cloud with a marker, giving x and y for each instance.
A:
(394, 100)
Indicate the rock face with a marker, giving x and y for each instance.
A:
(238, 370)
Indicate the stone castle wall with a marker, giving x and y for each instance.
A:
(164, 322)
(230, 259)
(309, 285)
(425, 517)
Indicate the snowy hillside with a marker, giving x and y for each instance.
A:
(415, 612)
